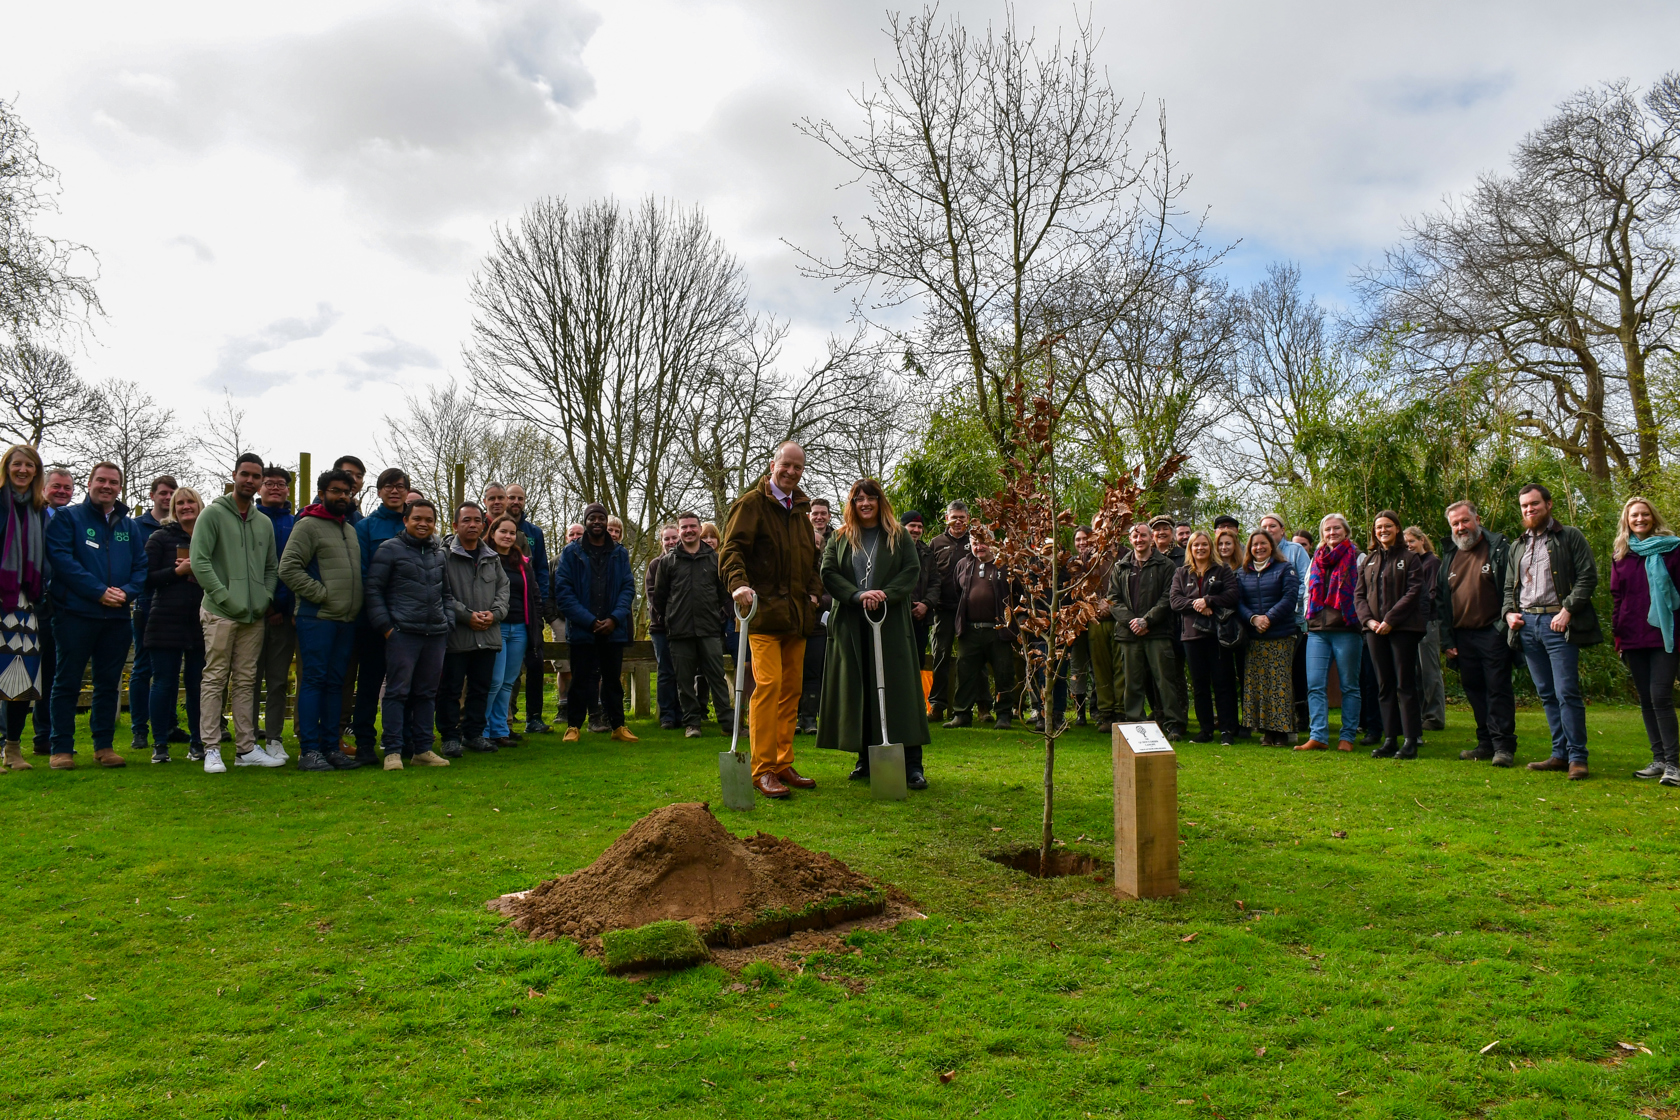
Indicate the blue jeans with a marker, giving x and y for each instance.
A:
(506, 675)
(168, 665)
(665, 691)
(104, 641)
(140, 679)
(324, 648)
(1555, 666)
(1344, 647)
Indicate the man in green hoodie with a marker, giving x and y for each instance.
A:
(234, 561)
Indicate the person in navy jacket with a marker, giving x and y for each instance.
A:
(594, 589)
(98, 568)
(538, 553)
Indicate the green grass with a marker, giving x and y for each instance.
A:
(655, 945)
(268, 943)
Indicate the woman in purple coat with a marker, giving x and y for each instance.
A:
(1644, 599)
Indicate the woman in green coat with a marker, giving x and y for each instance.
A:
(872, 562)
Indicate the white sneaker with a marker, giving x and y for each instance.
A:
(256, 756)
(213, 763)
(276, 750)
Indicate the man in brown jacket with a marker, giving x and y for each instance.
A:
(770, 555)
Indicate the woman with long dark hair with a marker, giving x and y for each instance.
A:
(1268, 589)
(523, 619)
(1391, 604)
(23, 564)
(872, 565)
(1644, 575)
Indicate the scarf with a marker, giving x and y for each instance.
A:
(1330, 580)
(23, 556)
(319, 509)
(1665, 600)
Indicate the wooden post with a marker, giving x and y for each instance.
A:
(1145, 812)
(460, 491)
(305, 483)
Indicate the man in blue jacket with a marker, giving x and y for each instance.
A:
(279, 632)
(98, 568)
(375, 529)
(534, 724)
(595, 590)
(140, 673)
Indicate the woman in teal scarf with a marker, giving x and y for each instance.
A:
(1644, 599)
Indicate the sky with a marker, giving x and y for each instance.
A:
(288, 201)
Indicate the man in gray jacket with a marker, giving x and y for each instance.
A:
(687, 591)
(475, 596)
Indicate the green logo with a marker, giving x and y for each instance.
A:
(121, 536)
(90, 531)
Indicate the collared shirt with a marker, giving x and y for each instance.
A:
(1535, 588)
(781, 496)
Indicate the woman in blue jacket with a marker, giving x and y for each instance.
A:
(1268, 588)
(594, 590)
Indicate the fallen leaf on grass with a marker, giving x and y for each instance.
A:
(1190, 937)
(493, 809)
(1240, 905)
(997, 828)
(1339, 834)
(1259, 1051)
(89, 998)
(259, 1065)
(945, 1078)
(1490, 1046)
(713, 1084)
(1186, 1100)
(532, 993)
(1630, 1047)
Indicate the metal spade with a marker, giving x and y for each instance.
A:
(886, 760)
(735, 768)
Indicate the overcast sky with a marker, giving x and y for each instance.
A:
(288, 200)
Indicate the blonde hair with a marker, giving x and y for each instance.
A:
(182, 492)
(883, 513)
(38, 487)
(1239, 556)
(1659, 527)
(1414, 533)
(1347, 530)
(1190, 552)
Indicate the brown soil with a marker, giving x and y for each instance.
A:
(1061, 864)
(678, 863)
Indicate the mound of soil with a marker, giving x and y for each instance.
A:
(678, 863)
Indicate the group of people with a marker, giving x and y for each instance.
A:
(391, 617)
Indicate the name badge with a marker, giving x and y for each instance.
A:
(93, 544)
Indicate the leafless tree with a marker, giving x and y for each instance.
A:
(42, 399)
(137, 434)
(599, 327)
(1559, 274)
(1002, 178)
(41, 286)
(222, 438)
(440, 427)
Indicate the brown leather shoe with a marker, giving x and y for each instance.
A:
(792, 777)
(63, 761)
(1577, 771)
(767, 784)
(1313, 745)
(1552, 763)
(108, 757)
(622, 735)
(1343, 745)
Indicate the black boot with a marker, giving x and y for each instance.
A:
(1003, 723)
(1372, 736)
(1409, 748)
(1482, 753)
(1388, 749)
(860, 772)
(960, 719)
(1081, 709)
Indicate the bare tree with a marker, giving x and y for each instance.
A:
(440, 427)
(1560, 275)
(599, 327)
(137, 434)
(41, 287)
(41, 397)
(1002, 178)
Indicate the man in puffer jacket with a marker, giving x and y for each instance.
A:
(234, 560)
(475, 597)
(367, 668)
(404, 597)
(322, 564)
(595, 591)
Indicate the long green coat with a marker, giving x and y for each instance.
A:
(850, 718)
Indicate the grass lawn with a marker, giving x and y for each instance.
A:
(267, 943)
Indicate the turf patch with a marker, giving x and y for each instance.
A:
(657, 945)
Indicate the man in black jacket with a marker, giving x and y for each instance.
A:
(816, 644)
(1138, 597)
(924, 601)
(949, 549)
(985, 635)
(686, 589)
(665, 683)
(1473, 630)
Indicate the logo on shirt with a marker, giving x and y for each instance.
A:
(120, 536)
(1487, 568)
(90, 531)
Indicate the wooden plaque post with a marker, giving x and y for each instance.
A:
(1145, 812)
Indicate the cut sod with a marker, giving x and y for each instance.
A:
(657, 945)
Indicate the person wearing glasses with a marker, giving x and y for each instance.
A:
(383, 524)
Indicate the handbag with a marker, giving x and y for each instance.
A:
(1229, 628)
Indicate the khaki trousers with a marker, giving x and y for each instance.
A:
(778, 668)
(231, 652)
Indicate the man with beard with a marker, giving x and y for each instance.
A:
(665, 686)
(949, 549)
(537, 550)
(1473, 630)
(816, 646)
(595, 591)
(322, 564)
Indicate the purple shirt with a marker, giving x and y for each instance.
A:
(1630, 601)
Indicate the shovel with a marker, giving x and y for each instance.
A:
(735, 768)
(886, 760)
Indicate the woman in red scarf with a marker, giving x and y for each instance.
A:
(1332, 635)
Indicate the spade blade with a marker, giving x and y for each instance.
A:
(735, 771)
(886, 772)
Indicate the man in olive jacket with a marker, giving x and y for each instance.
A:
(1138, 597)
(234, 560)
(322, 564)
(1548, 606)
(770, 557)
(686, 589)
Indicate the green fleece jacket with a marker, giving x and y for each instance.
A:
(322, 565)
(233, 559)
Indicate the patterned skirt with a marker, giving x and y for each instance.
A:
(20, 654)
(1269, 687)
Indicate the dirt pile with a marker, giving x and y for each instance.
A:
(678, 863)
